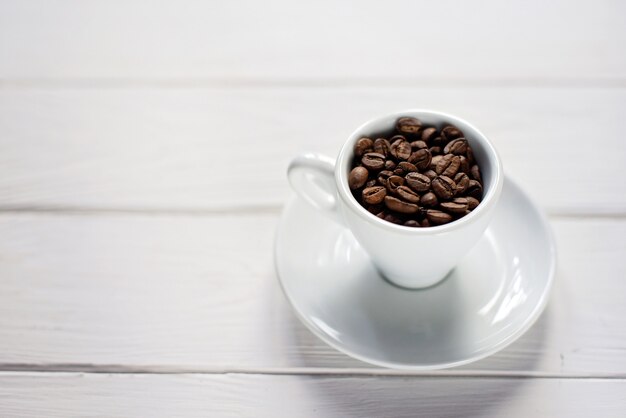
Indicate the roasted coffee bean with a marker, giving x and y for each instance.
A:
(438, 217)
(389, 165)
(374, 195)
(457, 206)
(430, 174)
(404, 167)
(408, 126)
(400, 148)
(462, 182)
(412, 223)
(475, 189)
(472, 202)
(456, 146)
(415, 145)
(358, 177)
(475, 173)
(381, 214)
(421, 158)
(383, 176)
(448, 165)
(405, 193)
(425, 223)
(390, 217)
(470, 156)
(444, 187)
(428, 134)
(394, 182)
(429, 199)
(464, 167)
(373, 161)
(435, 150)
(371, 183)
(382, 146)
(363, 146)
(400, 206)
(434, 161)
(418, 182)
(451, 132)
(374, 209)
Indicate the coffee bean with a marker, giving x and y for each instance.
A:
(444, 187)
(370, 183)
(408, 126)
(429, 199)
(464, 167)
(389, 165)
(381, 214)
(456, 207)
(358, 177)
(382, 146)
(418, 182)
(415, 145)
(453, 168)
(390, 217)
(474, 189)
(400, 206)
(456, 146)
(430, 174)
(383, 176)
(434, 161)
(428, 134)
(394, 182)
(462, 182)
(451, 132)
(435, 150)
(374, 195)
(448, 165)
(438, 217)
(404, 167)
(405, 193)
(374, 209)
(373, 161)
(472, 202)
(425, 223)
(470, 156)
(421, 158)
(363, 146)
(475, 173)
(412, 223)
(400, 148)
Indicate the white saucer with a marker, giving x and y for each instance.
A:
(494, 295)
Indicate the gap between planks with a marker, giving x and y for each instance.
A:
(308, 82)
(242, 211)
(293, 371)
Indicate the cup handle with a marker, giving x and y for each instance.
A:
(312, 177)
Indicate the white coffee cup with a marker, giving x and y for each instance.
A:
(409, 257)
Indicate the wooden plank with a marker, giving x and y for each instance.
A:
(421, 41)
(219, 148)
(171, 293)
(123, 395)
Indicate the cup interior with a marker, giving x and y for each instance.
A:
(484, 152)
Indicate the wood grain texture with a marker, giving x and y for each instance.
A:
(279, 41)
(72, 395)
(222, 148)
(180, 293)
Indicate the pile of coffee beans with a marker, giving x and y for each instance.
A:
(418, 176)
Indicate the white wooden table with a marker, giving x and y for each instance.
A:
(143, 149)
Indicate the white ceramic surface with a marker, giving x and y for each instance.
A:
(492, 297)
(324, 185)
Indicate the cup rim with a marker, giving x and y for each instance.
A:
(489, 199)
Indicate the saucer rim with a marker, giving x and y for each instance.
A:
(529, 322)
